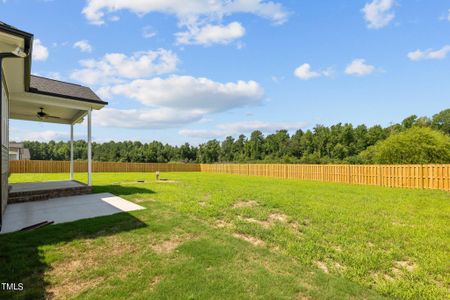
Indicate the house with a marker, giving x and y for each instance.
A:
(17, 151)
(34, 98)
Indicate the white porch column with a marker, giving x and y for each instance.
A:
(89, 150)
(71, 152)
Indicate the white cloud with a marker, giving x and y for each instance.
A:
(429, 53)
(277, 79)
(40, 52)
(211, 34)
(113, 67)
(249, 126)
(19, 135)
(60, 44)
(244, 127)
(83, 46)
(187, 92)
(448, 17)
(114, 18)
(304, 72)
(186, 11)
(148, 32)
(378, 13)
(104, 92)
(202, 133)
(201, 18)
(358, 67)
(145, 118)
(175, 101)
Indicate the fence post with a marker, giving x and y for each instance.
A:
(349, 174)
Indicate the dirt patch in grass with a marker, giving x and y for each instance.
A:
(381, 277)
(167, 246)
(71, 284)
(222, 224)
(251, 239)
(78, 271)
(154, 282)
(72, 287)
(265, 224)
(330, 266)
(401, 224)
(278, 217)
(271, 220)
(90, 256)
(205, 200)
(337, 248)
(397, 271)
(283, 219)
(140, 200)
(338, 267)
(73, 266)
(166, 181)
(245, 204)
(323, 266)
(403, 265)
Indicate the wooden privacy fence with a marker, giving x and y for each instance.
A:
(406, 176)
(53, 166)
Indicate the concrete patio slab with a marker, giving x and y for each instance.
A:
(46, 185)
(64, 209)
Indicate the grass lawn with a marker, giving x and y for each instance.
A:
(208, 236)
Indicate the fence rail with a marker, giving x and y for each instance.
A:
(405, 176)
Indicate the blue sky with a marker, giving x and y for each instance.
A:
(180, 70)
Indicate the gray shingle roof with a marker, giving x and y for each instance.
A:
(51, 87)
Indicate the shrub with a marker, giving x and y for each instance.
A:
(413, 146)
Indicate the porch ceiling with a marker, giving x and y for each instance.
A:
(24, 106)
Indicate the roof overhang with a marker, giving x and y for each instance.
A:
(25, 102)
(24, 106)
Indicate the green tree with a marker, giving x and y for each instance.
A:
(295, 145)
(239, 148)
(441, 121)
(255, 145)
(209, 152)
(409, 122)
(227, 150)
(187, 153)
(416, 145)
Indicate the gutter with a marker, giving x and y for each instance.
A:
(28, 48)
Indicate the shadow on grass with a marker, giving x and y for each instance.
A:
(121, 190)
(22, 260)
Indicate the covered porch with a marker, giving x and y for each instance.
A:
(34, 98)
(54, 101)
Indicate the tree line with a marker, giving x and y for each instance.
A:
(414, 140)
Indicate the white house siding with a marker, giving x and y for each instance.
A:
(4, 146)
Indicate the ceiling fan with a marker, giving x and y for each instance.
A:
(43, 115)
